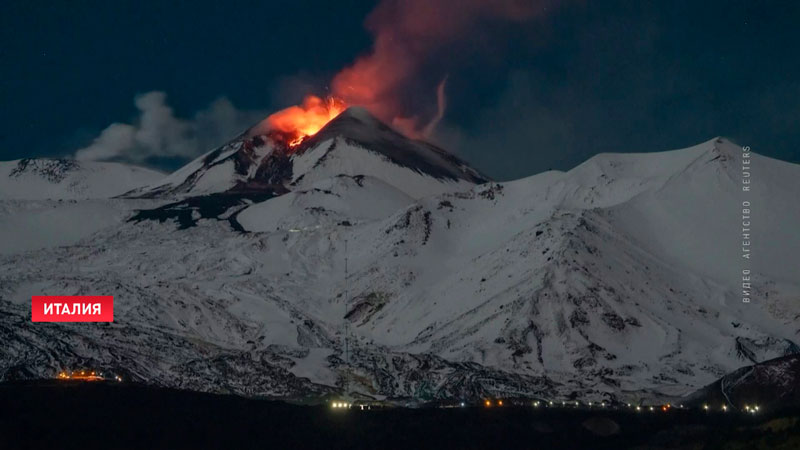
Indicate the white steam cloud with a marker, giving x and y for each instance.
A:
(158, 133)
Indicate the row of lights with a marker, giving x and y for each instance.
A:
(84, 375)
(537, 403)
(752, 409)
(747, 408)
(488, 404)
(76, 374)
(344, 405)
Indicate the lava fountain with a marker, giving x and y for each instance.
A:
(296, 123)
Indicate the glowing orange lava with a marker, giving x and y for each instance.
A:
(299, 122)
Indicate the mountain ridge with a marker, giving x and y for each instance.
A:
(68, 179)
(562, 284)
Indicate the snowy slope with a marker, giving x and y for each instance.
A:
(617, 279)
(328, 202)
(38, 179)
(53, 202)
(37, 224)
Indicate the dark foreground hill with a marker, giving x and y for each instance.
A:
(773, 384)
(79, 415)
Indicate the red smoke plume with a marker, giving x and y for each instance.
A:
(407, 33)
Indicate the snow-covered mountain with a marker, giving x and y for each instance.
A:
(354, 144)
(618, 279)
(50, 202)
(40, 179)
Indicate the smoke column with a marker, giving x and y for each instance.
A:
(406, 34)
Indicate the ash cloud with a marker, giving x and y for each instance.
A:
(157, 133)
(407, 35)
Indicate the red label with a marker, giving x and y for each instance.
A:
(72, 308)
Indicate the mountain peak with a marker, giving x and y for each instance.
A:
(358, 127)
(360, 114)
(47, 178)
(53, 170)
(354, 143)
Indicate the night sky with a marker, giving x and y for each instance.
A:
(525, 96)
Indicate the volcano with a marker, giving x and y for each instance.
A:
(354, 143)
